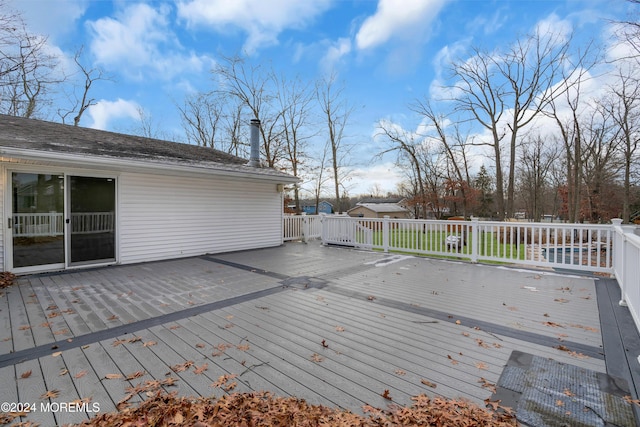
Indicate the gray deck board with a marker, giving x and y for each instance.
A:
(407, 333)
(31, 389)
(158, 367)
(87, 383)
(9, 389)
(51, 368)
(22, 337)
(6, 342)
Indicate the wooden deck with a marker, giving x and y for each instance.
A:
(334, 326)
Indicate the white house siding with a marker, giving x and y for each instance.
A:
(163, 217)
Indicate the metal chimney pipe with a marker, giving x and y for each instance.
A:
(254, 158)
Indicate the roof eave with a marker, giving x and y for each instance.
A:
(133, 165)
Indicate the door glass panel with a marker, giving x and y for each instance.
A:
(38, 223)
(93, 205)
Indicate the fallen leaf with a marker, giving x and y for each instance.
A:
(386, 395)
(315, 357)
(53, 314)
(371, 298)
(24, 327)
(149, 343)
(561, 300)
(135, 375)
(568, 392)
(400, 372)
(482, 343)
(559, 402)
(63, 372)
(494, 404)
(56, 354)
(174, 327)
(453, 361)
(118, 342)
(482, 365)
(46, 324)
(113, 376)
(112, 317)
(458, 322)
(243, 347)
(81, 374)
(26, 374)
(339, 329)
(51, 394)
(465, 334)
(428, 383)
(200, 345)
(324, 344)
(198, 370)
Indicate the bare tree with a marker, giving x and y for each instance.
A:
(295, 100)
(454, 145)
(201, 115)
(89, 76)
(535, 167)
(623, 106)
(254, 88)
(28, 73)
(407, 146)
(504, 92)
(336, 112)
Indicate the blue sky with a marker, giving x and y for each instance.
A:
(387, 53)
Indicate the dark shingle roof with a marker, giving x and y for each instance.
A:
(43, 136)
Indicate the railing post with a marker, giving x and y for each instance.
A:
(618, 256)
(305, 227)
(475, 240)
(324, 223)
(385, 233)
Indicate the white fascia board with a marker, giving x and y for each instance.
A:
(130, 165)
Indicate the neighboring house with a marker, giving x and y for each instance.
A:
(323, 207)
(379, 210)
(74, 196)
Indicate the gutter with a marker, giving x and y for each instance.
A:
(148, 165)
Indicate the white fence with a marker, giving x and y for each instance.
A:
(302, 227)
(52, 224)
(626, 267)
(565, 246)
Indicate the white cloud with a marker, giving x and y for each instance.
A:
(386, 176)
(335, 53)
(556, 29)
(105, 112)
(51, 18)
(262, 20)
(139, 41)
(397, 18)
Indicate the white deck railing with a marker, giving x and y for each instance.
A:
(626, 267)
(302, 227)
(52, 224)
(567, 246)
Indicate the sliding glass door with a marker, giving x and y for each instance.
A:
(92, 203)
(58, 221)
(37, 219)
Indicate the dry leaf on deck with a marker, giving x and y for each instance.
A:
(26, 374)
(113, 376)
(386, 395)
(428, 383)
(81, 374)
(198, 370)
(149, 343)
(51, 394)
(135, 375)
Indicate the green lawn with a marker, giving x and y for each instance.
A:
(434, 241)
